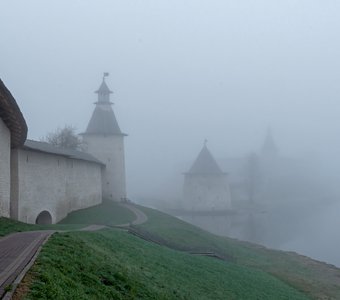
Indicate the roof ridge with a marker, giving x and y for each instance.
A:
(45, 147)
(12, 116)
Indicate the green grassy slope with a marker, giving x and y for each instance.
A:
(316, 279)
(111, 264)
(8, 226)
(107, 213)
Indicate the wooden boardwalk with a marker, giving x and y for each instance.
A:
(16, 252)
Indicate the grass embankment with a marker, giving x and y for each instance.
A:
(107, 213)
(316, 279)
(111, 264)
(8, 226)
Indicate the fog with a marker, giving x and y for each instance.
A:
(185, 71)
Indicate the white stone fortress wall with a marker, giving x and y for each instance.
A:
(5, 153)
(52, 183)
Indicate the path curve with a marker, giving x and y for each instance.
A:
(141, 217)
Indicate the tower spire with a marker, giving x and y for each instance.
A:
(103, 120)
(269, 148)
(103, 91)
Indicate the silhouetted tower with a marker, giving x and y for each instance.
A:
(104, 140)
(206, 187)
(270, 164)
(269, 149)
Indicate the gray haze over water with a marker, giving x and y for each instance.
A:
(183, 71)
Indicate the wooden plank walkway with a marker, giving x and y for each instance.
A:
(16, 252)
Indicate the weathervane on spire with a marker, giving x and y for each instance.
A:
(205, 142)
(106, 74)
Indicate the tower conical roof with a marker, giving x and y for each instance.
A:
(205, 163)
(103, 121)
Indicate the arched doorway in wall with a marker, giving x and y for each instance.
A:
(44, 218)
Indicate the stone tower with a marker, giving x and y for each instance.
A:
(269, 149)
(104, 140)
(206, 187)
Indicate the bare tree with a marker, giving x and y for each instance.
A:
(64, 137)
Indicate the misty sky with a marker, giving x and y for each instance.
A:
(181, 71)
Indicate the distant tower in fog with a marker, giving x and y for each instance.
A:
(104, 140)
(206, 187)
(269, 161)
(269, 149)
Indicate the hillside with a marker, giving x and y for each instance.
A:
(316, 279)
(107, 213)
(113, 264)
